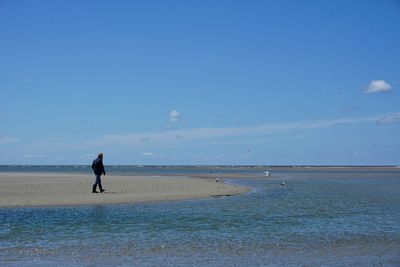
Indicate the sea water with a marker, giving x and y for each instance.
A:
(331, 217)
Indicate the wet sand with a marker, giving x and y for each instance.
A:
(55, 189)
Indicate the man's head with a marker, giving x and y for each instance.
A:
(100, 155)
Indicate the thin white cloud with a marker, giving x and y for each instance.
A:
(8, 140)
(378, 86)
(178, 136)
(30, 156)
(197, 135)
(392, 118)
(174, 116)
(349, 109)
(148, 154)
(207, 133)
(88, 156)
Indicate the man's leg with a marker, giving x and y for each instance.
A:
(101, 188)
(98, 182)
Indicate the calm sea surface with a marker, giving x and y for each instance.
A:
(330, 217)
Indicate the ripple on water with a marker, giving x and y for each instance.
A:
(331, 221)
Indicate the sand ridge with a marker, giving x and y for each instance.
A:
(56, 189)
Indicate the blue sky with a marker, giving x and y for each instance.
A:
(200, 82)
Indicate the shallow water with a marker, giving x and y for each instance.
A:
(329, 218)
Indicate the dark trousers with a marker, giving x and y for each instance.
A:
(98, 182)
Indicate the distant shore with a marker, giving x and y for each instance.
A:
(57, 189)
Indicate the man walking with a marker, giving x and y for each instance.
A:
(98, 169)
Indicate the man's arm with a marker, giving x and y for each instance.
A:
(102, 168)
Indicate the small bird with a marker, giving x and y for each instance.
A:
(283, 183)
(217, 180)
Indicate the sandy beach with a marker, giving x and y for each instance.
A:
(54, 189)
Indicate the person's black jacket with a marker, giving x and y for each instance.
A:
(98, 166)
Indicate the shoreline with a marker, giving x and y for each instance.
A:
(24, 189)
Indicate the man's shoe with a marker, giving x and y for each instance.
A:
(102, 190)
(94, 192)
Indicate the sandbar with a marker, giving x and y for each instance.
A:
(57, 189)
